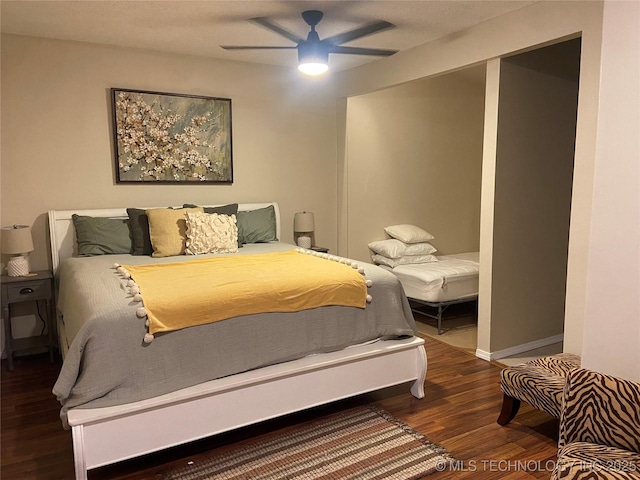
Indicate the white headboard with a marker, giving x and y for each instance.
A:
(62, 234)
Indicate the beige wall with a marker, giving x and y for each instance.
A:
(534, 168)
(612, 313)
(487, 202)
(56, 144)
(540, 24)
(57, 148)
(57, 138)
(414, 155)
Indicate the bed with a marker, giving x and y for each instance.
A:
(207, 379)
(453, 279)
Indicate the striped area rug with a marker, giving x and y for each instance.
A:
(360, 443)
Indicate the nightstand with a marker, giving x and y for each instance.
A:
(320, 249)
(37, 288)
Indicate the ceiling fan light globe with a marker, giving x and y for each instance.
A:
(313, 68)
(313, 58)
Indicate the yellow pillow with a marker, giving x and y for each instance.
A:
(168, 230)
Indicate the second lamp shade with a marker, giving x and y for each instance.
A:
(303, 222)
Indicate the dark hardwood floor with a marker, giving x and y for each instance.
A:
(459, 412)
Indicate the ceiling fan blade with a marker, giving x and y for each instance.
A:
(265, 22)
(363, 51)
(254, 47)
(359, 32)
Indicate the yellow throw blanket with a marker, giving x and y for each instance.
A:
(184, 294)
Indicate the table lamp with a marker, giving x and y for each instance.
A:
(303, 227)
(17, 241)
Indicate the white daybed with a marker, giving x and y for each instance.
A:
(108, 434)
(453, 279)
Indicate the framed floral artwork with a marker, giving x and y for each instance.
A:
(171, 138)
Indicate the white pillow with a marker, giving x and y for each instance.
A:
(408, 260)
(211, 233)
(408, 233)
(393, 248)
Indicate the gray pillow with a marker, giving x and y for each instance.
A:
(257, 226)
(231, 209)
(140, 238)
(101, 236)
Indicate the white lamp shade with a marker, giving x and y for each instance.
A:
(303, 222)
(16, 240)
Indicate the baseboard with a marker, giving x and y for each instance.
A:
(515, 350)
(483, 355)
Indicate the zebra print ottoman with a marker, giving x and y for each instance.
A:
(539, 383)
(599, 428)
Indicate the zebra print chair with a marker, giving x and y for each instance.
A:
(599, 428)
(539, 382)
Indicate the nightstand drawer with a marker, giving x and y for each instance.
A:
(26, 291)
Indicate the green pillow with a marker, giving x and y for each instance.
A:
(257, 226)
(101, 236)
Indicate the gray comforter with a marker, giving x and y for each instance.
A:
(109, 364)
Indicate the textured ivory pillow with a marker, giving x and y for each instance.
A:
(408, 233)
(211, 233)
(168, 230)
(408, 260)
(393, 248)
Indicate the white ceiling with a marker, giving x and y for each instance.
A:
(200, 27)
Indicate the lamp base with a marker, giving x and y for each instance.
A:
(18, 266)
(304, 242)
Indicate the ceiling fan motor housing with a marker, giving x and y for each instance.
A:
(313, 52)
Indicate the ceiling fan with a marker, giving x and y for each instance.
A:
(313, 53)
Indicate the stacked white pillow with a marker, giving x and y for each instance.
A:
(408, 244)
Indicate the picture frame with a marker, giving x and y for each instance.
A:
(171, 138)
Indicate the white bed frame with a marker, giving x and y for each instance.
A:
(102, 436)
